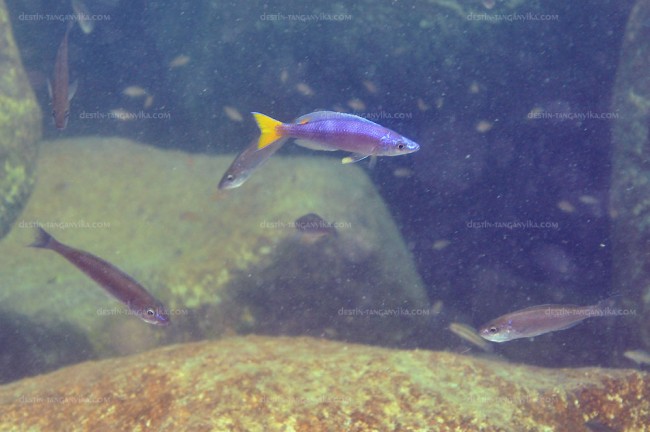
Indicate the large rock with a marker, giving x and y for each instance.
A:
(20, 128)
(630, 191)
(303, 384)
(223, 263)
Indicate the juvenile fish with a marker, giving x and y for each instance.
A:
(330, 131)
(313, 227)
(113, 280)
(469, 334)
(246, 163)
(83, 16)
(538, 320)
(638, 356)
(134, 91)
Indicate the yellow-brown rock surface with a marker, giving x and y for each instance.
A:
(304, 384)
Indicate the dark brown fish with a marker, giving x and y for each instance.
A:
(113, 280)
(61, 92)
(313, 227)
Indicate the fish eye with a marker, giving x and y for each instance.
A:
(400, 146)
(151, 312)
(493, 330)
(53, 113)
(230, 177)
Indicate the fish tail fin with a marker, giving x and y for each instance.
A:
(607, 304)
(269, 128)
(610, 301)
(43, 239)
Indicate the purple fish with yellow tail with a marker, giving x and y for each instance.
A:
(113, 280)
(330, 131)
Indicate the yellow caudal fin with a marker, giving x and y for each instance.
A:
(269, 128)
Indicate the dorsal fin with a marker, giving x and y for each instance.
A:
(328, 115)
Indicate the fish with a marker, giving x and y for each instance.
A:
(312, 228)
(357, 104)
(246, 163)
(179, 61)
(403, 172)
(61, 92)
(304, 89)
(484, 126)
(470, 335)
(330, 131)
(538, 320)
(489, 4)
(422, 105)
(82, 14)
(370, 86)
(638, 356)
(148, 101)
(440, 244)
(134, 91)
(114, 281)
(233, 114)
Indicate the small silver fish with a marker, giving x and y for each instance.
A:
(83, 15)
(638, 356)
(469, 334)
(538, 320)
(246, 163)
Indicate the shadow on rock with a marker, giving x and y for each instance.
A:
(331, 289)
(30, 348)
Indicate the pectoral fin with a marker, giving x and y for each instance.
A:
(354, 157)
(72, 89)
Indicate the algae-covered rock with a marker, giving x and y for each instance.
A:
(630, 191)
(20, 128)
(303, 384)
(222, 263)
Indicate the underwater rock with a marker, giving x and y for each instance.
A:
(221, 262)
(20, 128)
(305, 384)
(630, 189)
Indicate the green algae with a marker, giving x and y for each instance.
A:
(211, 259)
(20, 127)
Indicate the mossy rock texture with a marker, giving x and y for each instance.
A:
(303, 384)
(630, 190)
(20, 128)
(223, 263)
